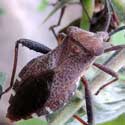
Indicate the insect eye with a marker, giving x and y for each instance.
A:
(76, 49)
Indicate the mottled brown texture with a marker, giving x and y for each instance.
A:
(48, 81)
(91, 41)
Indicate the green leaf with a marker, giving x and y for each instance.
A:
(119, 38)
(88, 5)
(1, 11)
(43, 4)
(33, 121)
(118, 121)
(121, 77)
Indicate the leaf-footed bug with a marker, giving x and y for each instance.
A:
(48, 81)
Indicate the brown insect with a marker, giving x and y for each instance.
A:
(48, 82)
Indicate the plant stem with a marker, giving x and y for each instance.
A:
(120, 7)
(87, 13)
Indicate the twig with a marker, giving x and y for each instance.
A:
(109, 15)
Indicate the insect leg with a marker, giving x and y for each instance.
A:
(59, 21)
(80, 120)
(89, 104)
(13, 71)
(116, 30)
(38, 47)
(31, 45)
(114, 48)
(110, 72)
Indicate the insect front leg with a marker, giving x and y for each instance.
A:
(31, 45)
(108, 71)
(59, 22)
(114, 48)
(38, 47)
(13, 71)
